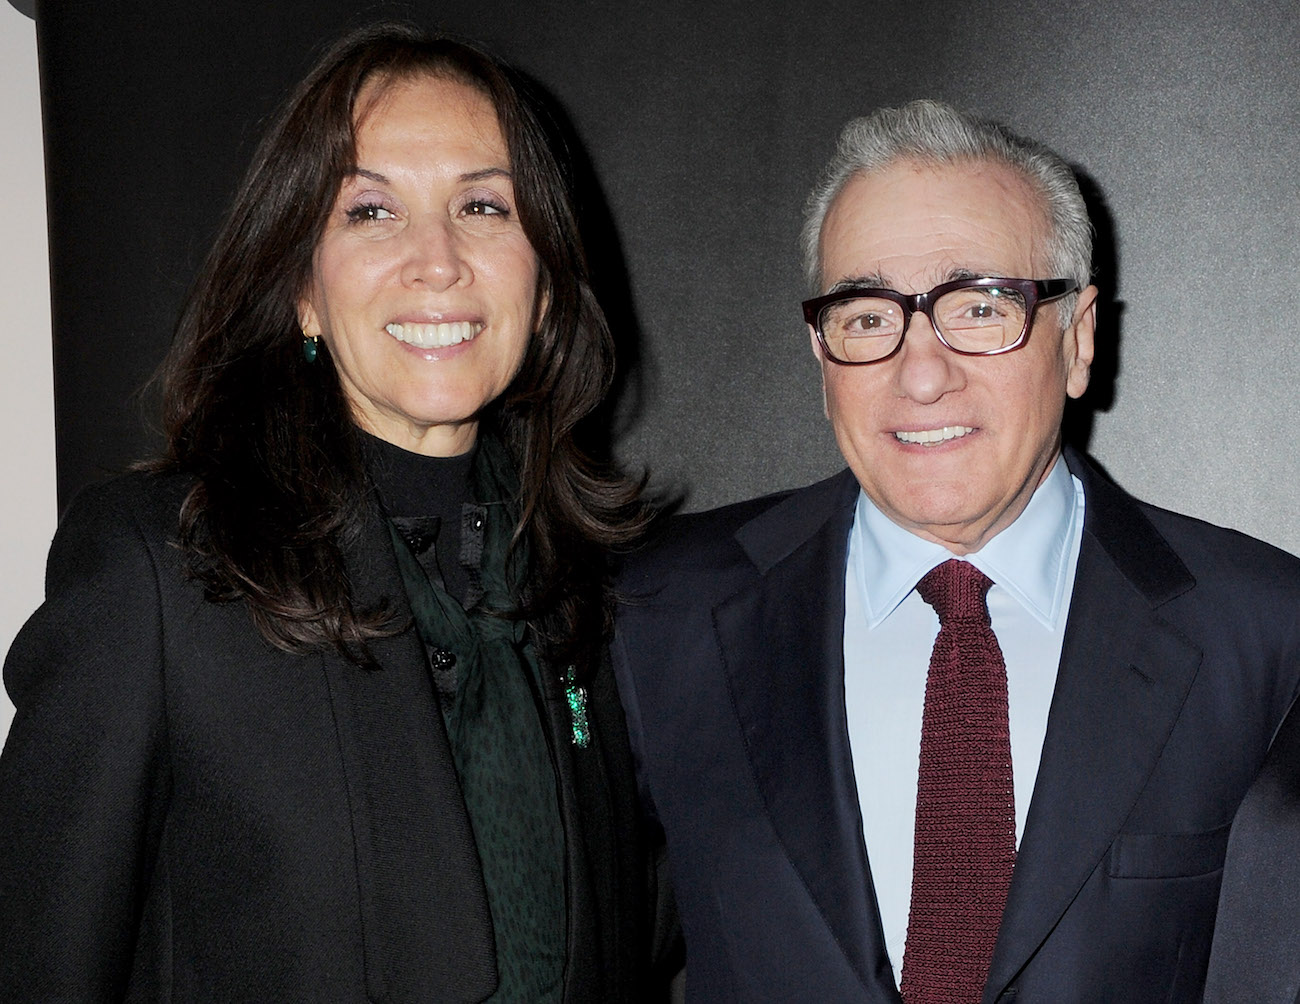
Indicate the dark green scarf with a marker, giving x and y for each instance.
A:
(494, 722)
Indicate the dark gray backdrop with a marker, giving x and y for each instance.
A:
(703, 125)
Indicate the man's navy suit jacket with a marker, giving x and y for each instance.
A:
(1181, 656)
(1256, 953)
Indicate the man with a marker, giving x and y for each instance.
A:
(838, 810)
(1256, 951)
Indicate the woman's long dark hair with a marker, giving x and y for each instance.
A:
(280, 490)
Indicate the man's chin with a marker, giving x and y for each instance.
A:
(945, 513)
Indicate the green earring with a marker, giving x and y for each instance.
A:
(310, 346)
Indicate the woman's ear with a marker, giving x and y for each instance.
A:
(308, 320)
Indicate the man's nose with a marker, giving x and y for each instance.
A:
(925, 369)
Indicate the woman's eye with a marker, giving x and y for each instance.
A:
(370, 212)
(484, 207)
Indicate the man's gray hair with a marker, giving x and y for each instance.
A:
(931, 132)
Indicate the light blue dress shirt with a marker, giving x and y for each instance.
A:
(889, 632)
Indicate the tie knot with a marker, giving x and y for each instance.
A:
(956, 590)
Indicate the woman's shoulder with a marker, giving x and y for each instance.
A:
(129, 512)
(108, 569)
(139, 501)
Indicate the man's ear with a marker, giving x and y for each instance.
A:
(1078, 343)
(820, 356)
(816, 344)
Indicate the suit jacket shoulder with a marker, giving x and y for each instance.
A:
(717, 548)
(1234, 560)
(1166, 552)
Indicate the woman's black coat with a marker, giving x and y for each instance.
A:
(188, 813)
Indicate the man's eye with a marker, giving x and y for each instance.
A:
(369, 212)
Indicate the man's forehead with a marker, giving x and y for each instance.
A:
(933, 222)
(880, 280)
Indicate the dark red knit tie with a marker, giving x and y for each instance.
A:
(965, 802)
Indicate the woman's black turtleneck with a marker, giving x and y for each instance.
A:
(425, 498)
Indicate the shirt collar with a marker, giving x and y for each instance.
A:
(1029, 558)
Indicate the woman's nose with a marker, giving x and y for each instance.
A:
(433, 256)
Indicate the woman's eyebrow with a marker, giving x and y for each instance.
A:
(479, 175)
(486, 172)
(374, 176)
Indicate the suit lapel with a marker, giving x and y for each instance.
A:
(1123, 677)
(582, 960)
(424, 905)
(782, 640)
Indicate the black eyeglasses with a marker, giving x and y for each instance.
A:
(975, 317)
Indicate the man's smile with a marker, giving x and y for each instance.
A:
(926, 437)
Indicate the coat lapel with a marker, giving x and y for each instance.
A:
(1123, 677)
(424, 906)
(581, 960)
(782, 640)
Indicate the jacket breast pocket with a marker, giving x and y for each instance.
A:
(1168, 855)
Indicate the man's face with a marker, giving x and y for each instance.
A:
(911, 227)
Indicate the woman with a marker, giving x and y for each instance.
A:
(315, 707)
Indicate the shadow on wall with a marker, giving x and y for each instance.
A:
(1080, 415)
(626, 404)
(609, 276)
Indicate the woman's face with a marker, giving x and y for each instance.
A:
(424, 286)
